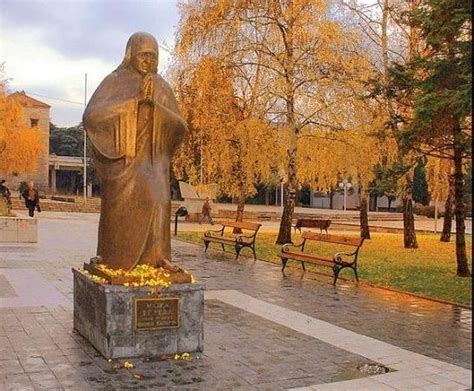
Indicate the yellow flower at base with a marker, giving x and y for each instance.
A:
(93, 277)
(141, 275)
(184, 356)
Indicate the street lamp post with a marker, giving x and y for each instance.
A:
(282, 190)
(345, 185)
(283, 179)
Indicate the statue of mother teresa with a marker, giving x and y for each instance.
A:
(134, 125)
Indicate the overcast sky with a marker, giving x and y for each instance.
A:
(48, 45)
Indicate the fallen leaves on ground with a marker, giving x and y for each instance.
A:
(184, 357)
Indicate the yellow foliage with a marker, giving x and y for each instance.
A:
(241, 65)
(236, 149)
(325, 157)
(437, 175)
(20, 145)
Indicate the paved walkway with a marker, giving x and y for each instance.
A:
(421, 224)
(262, 330)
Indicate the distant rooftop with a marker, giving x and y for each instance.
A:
(28, 101)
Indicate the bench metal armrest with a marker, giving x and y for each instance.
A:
(215, 231)
(245, 239)
(247, 236)
(339, 257)
(286, 247)
(240, 239)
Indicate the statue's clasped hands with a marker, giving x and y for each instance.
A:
(146, 90)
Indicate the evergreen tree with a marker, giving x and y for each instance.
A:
(66, 141)
(439, 80)
(420, 185)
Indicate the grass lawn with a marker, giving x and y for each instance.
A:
(429, 270)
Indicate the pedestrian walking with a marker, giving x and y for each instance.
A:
(5, 192)
(206, 212)
(31, 196)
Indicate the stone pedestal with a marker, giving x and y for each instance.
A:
(18, 230)
(122, 322)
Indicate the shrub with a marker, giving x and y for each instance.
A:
(426, 210)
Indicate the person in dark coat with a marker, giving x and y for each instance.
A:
(5, 193)
(206, 212)
(31, 196)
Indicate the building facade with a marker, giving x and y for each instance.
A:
(335, 201)
(36, 115)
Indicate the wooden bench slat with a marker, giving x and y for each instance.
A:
(306, 257)
(338, 239)
(289, 252)
(230, 239)
(239, 241)
(220, 239)
(313, 223)
(242, 225)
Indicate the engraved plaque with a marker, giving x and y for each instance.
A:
(156, 313)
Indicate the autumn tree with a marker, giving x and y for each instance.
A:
(227, 143)
(368, 146)
(371, 152)
(384, 184)
(441, 187)
(302, 55)
(351, 153)
(20, 146)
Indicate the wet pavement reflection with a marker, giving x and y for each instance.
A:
(438, 330)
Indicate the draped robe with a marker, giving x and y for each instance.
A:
(133, 144)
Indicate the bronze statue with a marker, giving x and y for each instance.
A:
(134, 125)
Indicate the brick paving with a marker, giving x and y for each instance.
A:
(243, 350)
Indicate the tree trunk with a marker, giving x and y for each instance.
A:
(240, 208)
(289, 191)
(448, 213)
(461, 258)
(364, 216)
(331, 197)
(284, 234)
(290, 188)
(389, 204)
(291, 185)
(409, 233)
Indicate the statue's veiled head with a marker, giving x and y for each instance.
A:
(141, 53)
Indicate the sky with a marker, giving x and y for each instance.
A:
(48, 46)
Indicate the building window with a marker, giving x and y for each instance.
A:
(34, 122)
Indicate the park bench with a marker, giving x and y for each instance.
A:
(237, 240)
(322, 224)
(339, 261)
